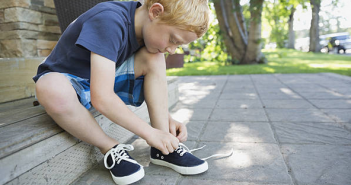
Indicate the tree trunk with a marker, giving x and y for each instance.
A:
(314, 30)
(291, 41)
(224, 27)
(237, 33)
(253, 51)
(243, 47)
(238, 10)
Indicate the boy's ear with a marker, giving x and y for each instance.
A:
(155, 11)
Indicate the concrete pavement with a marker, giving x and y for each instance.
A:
(284, 129)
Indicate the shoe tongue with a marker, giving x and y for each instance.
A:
(109, 160)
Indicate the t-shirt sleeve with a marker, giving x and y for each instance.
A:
(103, 34)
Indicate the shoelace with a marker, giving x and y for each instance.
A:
(118, 154)
(182, 149)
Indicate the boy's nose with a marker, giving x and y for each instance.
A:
(171, 50)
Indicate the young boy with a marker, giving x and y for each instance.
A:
(111, 56)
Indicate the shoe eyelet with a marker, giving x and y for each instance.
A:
(181, 155)
(162, 157)
(157, 155)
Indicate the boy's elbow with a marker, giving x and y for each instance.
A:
(103, 102)
(98, 103)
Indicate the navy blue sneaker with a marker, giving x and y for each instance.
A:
(181, 161)
(123, 168)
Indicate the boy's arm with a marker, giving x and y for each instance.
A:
(109, 104)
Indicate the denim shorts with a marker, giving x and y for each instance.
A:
(129, 89)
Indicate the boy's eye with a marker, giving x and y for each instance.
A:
(173, 41)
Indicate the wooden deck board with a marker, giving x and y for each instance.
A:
(25, 133)
(22, 125)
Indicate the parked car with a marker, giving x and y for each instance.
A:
(335, 42)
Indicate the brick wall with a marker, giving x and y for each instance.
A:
(28, 28)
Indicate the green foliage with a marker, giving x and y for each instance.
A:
(275, 19)
(210, 47)
(277, 15)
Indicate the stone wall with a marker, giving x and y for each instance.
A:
(29, 28)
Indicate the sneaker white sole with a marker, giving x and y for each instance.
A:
(129, 179)
(182, 170)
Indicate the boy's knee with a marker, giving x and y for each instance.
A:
(54, 94)
(150, 62)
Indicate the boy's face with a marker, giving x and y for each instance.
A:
(161, 38)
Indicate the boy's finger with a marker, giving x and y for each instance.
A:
(175, 143)
(173, 131)
(165, 150)
(181, 135)
(182, 132)
(182, 138)
(170, 148)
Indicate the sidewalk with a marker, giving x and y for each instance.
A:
(284, 129)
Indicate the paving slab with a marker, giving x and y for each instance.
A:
(199, 93)
(287, 104)
(239, 78)
(194, 114)
(188, 181)
(292, 80)
(327, 94)
(278, 95)
(196, 103)
(311, 133)
(339, 115)
(345, 91)
(240, 96)
(253, 162)
(319, 164)
(203, 79)
(245, 132)
(244, 115)
(239, 89)
(332, 104)
(297, 115)
(239, 104)
(308, 88)
(195, 129)
(210, 86)
(335, 85)
(274, 89)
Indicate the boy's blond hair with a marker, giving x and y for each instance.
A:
(190, 15)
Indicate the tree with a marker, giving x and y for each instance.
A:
(243, 46)
(292, 4)
(276, 13)
(314, 30)
(291, 36)
(279, 14)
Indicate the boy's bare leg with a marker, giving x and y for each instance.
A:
(56, 94)
(153, 67)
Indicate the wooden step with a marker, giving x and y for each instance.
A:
(34, 149)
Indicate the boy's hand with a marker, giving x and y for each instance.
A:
(163, 141)
(178, 129)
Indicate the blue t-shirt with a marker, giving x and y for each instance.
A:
(106, 29)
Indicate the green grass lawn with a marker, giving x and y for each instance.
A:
(279, 61)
